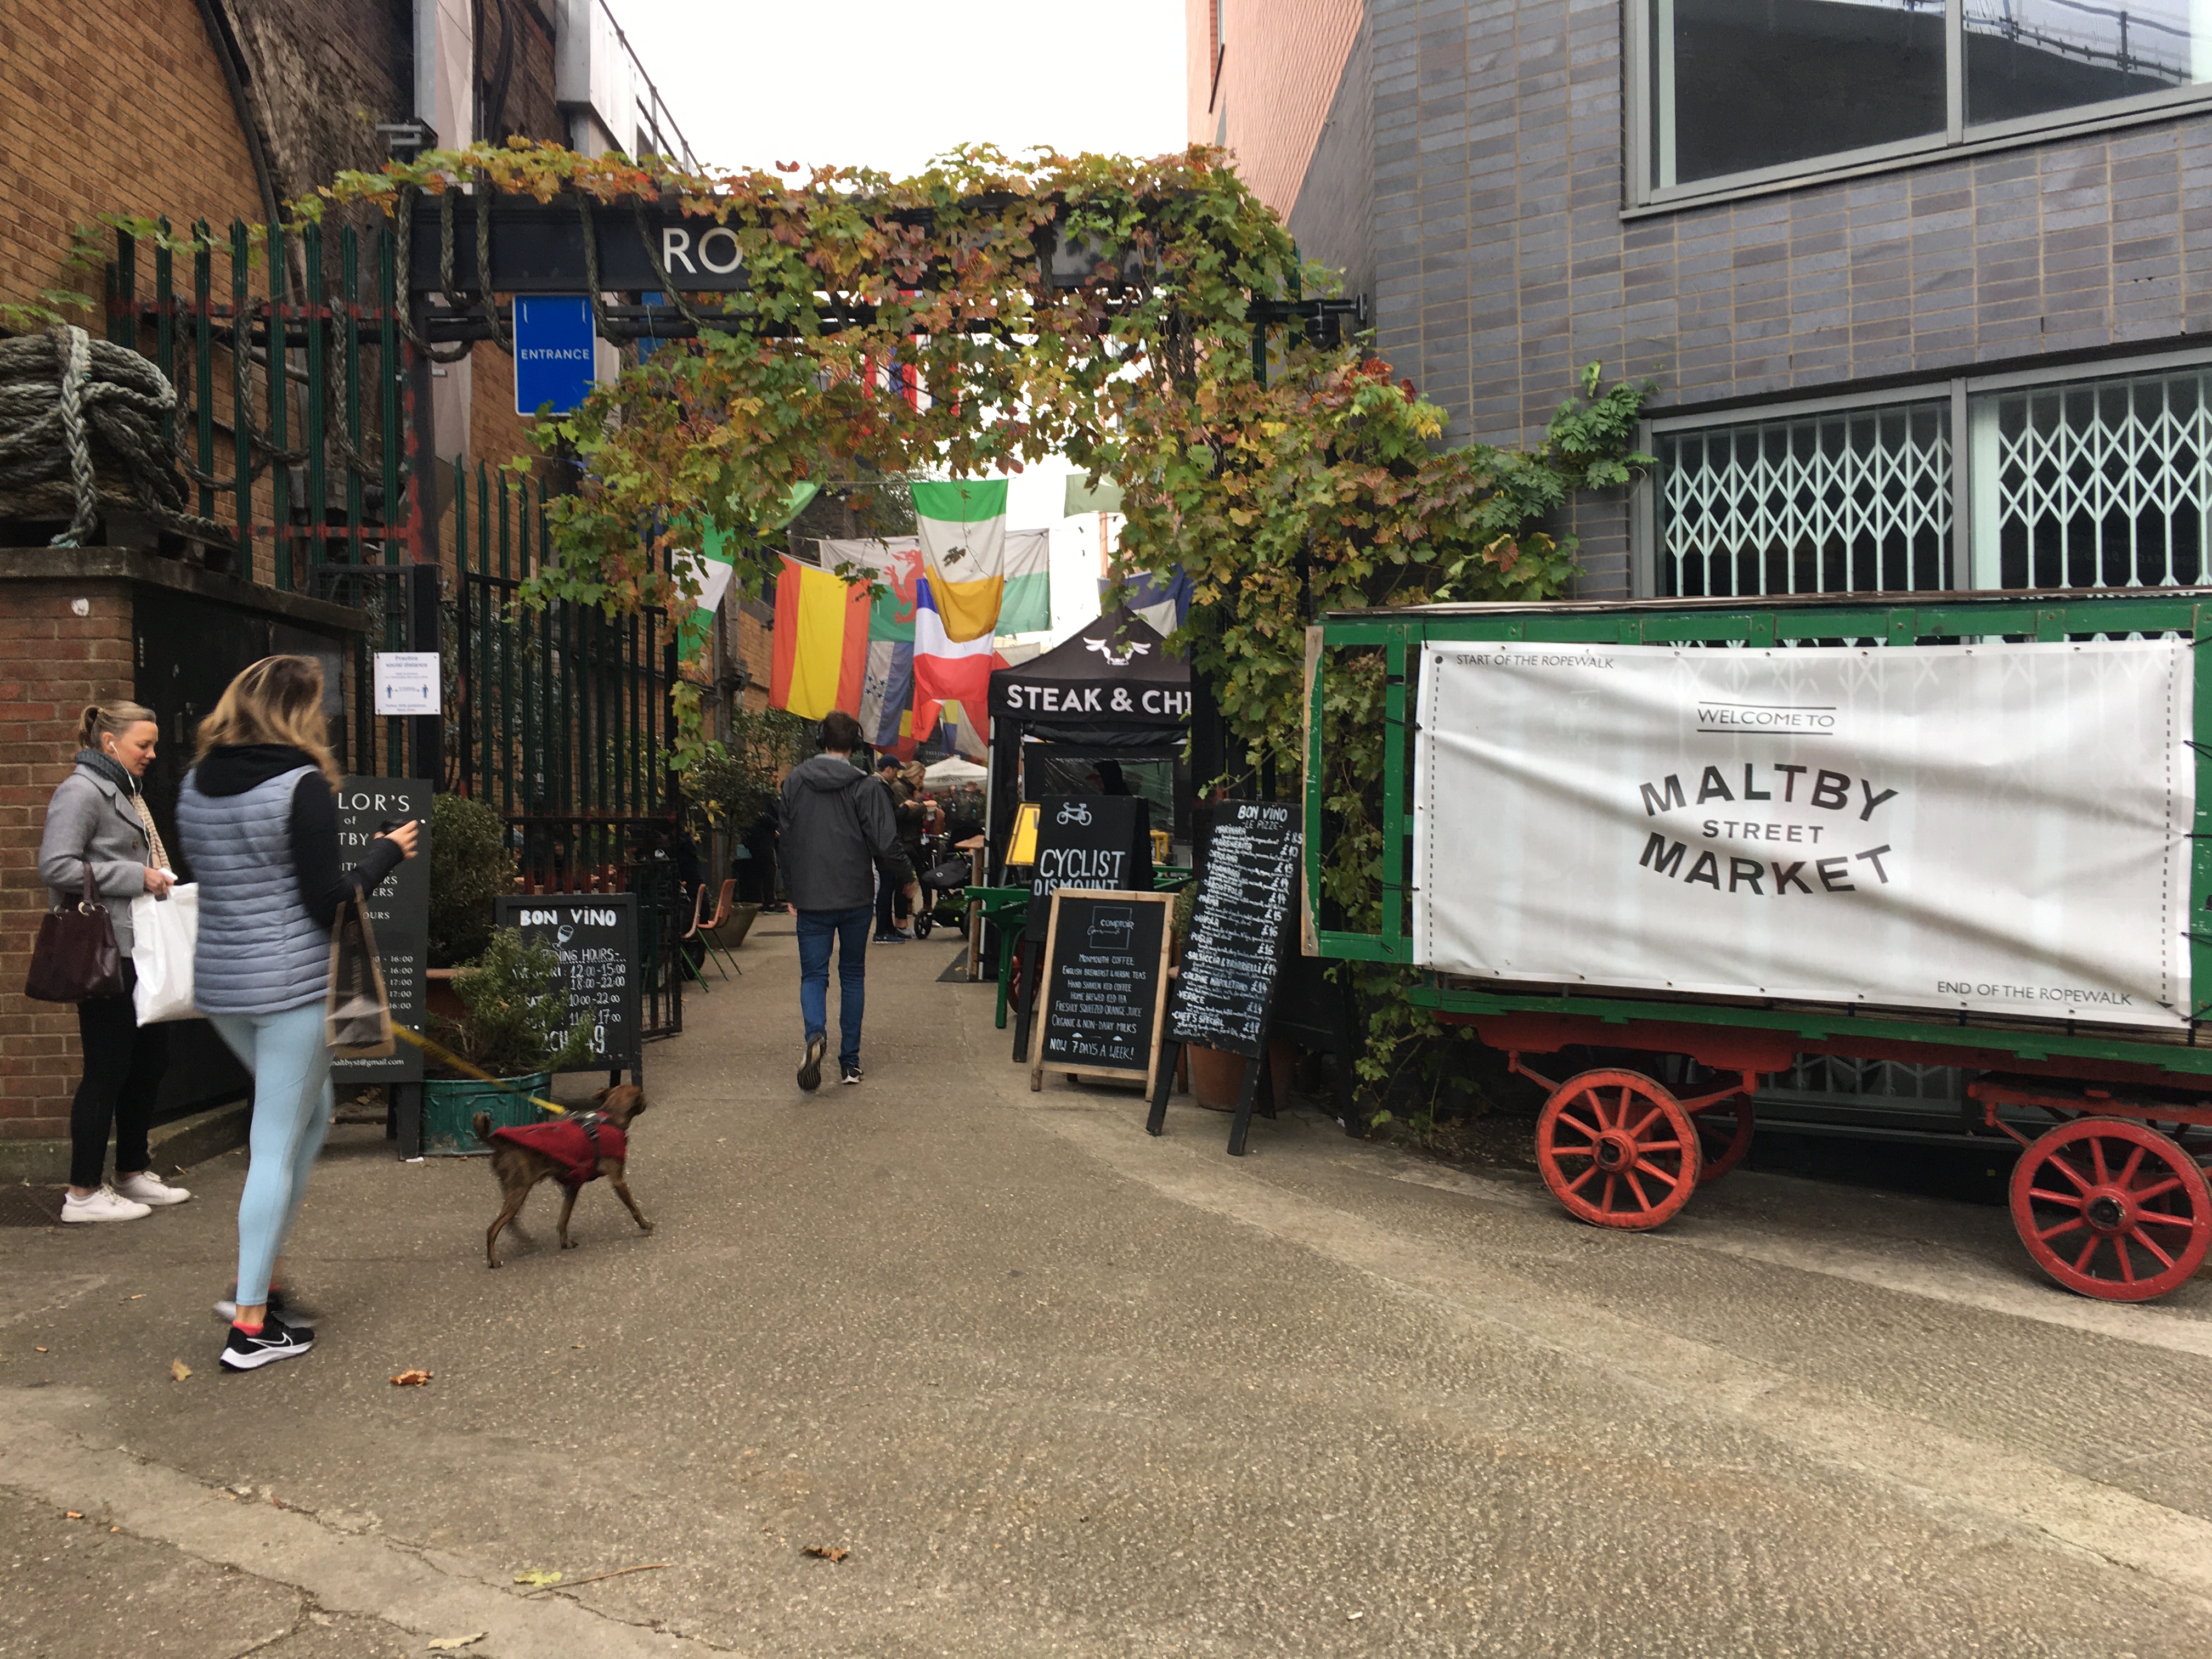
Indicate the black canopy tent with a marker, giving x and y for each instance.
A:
(1110, 694)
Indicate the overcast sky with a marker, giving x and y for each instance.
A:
(869, 83)
(864, 83)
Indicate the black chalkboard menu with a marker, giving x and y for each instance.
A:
(1238, 927)
(399, 910)
(596, 935)
(1089, 841)
(1104, 985)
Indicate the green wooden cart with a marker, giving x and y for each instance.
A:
(2109, 1198)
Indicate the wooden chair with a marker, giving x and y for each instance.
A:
(710, 929)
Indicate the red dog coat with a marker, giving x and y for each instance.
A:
(578, 1141)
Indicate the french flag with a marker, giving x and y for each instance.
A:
(946, 669)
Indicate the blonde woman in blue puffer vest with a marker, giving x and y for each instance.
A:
(259, 818)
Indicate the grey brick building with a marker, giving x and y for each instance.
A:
(1926, 287)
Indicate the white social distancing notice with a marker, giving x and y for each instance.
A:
(1997, 828)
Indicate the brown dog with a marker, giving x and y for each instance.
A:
(574, 1150)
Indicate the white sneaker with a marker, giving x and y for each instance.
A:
(147, 1188)
(103, 1204)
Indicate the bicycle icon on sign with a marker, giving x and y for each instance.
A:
(1075, 811)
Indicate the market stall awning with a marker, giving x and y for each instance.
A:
(1114, 676)
(952, 770)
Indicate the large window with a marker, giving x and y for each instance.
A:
(2101, 481)
(1739, 92)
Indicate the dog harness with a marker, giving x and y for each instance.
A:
(577, 1142)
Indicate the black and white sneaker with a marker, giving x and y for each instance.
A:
(809, 1070)
(275, 1341)
(848, 1070)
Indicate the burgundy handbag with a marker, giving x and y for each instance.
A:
(76, 957)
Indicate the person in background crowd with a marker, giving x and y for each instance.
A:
(755, 873)
(690, 868)
(906, 819)
(98, 818)
(840, 824)
(258, 816)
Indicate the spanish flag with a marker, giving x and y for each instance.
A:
(820, 642)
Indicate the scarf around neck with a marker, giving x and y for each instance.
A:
(107, 767)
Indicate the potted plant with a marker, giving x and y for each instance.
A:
(1216, 1078)
(471, 865)
(514, 1024)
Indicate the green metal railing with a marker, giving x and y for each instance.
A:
(567, 723)
(295, 426)
(565, 727)
(292, 416)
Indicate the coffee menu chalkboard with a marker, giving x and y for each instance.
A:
(596, 935)
(399, 911)
(1238, 927)
(1103, 984)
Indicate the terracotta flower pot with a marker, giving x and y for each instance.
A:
(1216, 1078)
(439, 996)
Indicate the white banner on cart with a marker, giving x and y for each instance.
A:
(1998, 827)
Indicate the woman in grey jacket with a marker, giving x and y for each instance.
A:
(258, 815)
(98, 817)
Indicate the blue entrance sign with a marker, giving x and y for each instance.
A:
(554, 358)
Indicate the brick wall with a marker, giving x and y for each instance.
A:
(1331, 217)
(320, 74)
(1279, 77)
(52, 663)
(87, 127)
(752, 647)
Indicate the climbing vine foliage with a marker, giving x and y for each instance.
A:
(901, 328)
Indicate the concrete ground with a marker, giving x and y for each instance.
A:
(1061, 1388)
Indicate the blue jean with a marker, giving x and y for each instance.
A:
(292, 1105)
(850, 929)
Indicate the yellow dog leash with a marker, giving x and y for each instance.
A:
(447, 1055)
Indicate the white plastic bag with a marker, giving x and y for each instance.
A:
(163, 934)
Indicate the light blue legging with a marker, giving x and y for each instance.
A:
(292, 1103)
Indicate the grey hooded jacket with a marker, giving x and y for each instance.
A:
(91, 820)
(838, 830)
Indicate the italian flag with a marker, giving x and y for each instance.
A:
(984, 578)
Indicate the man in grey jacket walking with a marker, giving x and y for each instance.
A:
(838, 830)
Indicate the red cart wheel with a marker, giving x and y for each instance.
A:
(2111, 1209)
(1617, 1150)
(1724, 1137)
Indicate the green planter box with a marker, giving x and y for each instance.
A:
(450, 1106)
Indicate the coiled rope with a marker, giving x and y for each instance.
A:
(81, 432)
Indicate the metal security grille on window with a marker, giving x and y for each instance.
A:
(2106, 483)
(1853, 501)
